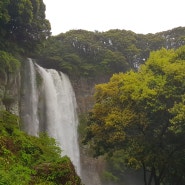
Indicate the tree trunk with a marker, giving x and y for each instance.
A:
(144, 174)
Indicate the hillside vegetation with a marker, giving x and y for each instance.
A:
(30, 160)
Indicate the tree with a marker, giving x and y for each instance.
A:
(23, 22)
(114, 62)
(142, 114)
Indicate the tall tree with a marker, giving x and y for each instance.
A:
(141, 114)
(23, 22)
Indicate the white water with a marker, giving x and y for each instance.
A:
(30, 112)
(60, 116)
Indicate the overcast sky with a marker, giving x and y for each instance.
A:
(139, 16)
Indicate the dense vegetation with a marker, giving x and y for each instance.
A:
(31, 160)
(23, 25)
(88, 54)
(138, 120)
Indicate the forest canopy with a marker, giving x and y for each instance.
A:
(88, 54)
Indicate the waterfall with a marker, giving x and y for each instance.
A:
(30, 98)
(56, 103)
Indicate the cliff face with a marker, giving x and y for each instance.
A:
(10, 92)
(91, 168)
(84, 90)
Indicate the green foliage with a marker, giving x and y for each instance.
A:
(27, 160)
(89, 54)
(60, 172)
(8, 63)
(141, 114)
(83, 124)
(23, 24)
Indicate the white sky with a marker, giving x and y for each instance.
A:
(139, 16)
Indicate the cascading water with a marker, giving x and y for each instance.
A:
(30, 100)
(56, 103)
